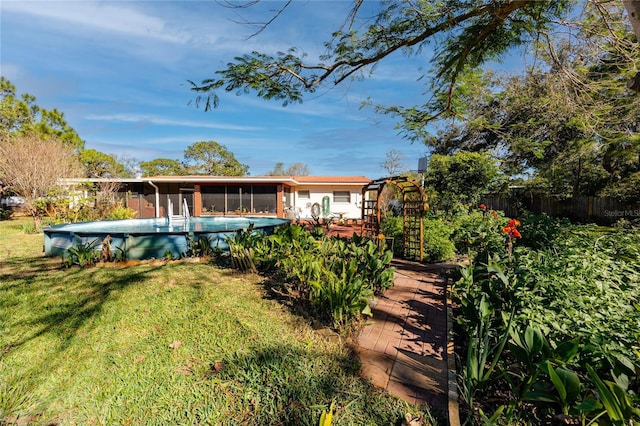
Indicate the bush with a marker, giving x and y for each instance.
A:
(566, 318)
(541, 231)
(437, 245)
(120, 212)
(336, 277)
(391, 227)
(478, 233)
(5, 214)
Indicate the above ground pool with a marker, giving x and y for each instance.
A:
(152, 238)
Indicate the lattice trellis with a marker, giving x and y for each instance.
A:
(413, 207)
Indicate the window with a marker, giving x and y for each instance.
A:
(213, 199)
(304, 195)
(234, 199)
(264, 199)
(341, 197)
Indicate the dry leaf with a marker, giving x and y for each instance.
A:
(185, 369)
(176, 344)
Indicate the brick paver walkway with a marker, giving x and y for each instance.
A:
(403, 349)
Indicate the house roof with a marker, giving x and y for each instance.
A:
(332, 179)
(289, 180)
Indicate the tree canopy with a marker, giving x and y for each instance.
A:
(161, 167)
(460, 178)
(20, 116)
(393, 163)
(461, 35)
(569, 123)
(100, 165)
(213, 159)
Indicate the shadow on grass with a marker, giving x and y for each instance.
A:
(295, 385)
(87, 289)
(17, 268)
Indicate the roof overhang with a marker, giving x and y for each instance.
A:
(287, 180)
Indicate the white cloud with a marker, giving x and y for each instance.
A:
(161, 121)
(109, 17)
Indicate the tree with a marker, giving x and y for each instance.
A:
(213, 159)
(100, 165)
(393, 164)
(20, 116)
(161, 167)
(566, 123)
(31, 167)
(461, 178)
(296, 169)
(463, 34)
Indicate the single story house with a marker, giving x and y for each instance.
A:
(276, 196)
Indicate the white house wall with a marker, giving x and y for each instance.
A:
(350, 210)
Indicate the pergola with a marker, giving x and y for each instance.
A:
(414, 204)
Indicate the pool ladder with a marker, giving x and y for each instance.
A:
(184, 217)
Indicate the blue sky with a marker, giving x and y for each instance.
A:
(118, 70)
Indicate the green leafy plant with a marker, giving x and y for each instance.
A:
(337, 277)
(5, 214)
(618, 405)
(201, 246)
(120, 212)
(437, 243)
(82, 254)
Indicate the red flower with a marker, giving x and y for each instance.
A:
(483, 207)
(512, 229)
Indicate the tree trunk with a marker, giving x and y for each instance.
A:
(633, 9)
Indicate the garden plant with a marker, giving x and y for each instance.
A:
(549, 323)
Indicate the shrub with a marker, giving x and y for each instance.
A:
(82, 254)
(391, 227)
(541, 231)
(337, 277)
(477, 233)
(120, 212)
(437, 245)
(568, 315)
(5, 214)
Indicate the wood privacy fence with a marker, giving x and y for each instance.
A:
(597, 209)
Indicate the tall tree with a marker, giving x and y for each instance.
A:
(31, 167)
(162, 167)
(567, 123)
(100, 165)
(20, 115)
(213, 159)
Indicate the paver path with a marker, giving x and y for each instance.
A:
(403, 349)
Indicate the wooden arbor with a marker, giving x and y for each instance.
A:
(414, 204)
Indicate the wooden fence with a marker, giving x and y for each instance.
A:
(599, 209)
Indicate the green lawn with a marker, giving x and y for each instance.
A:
(182, 343)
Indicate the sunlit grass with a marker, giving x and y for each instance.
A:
(182, 343)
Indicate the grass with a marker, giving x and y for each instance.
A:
(182, 343)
